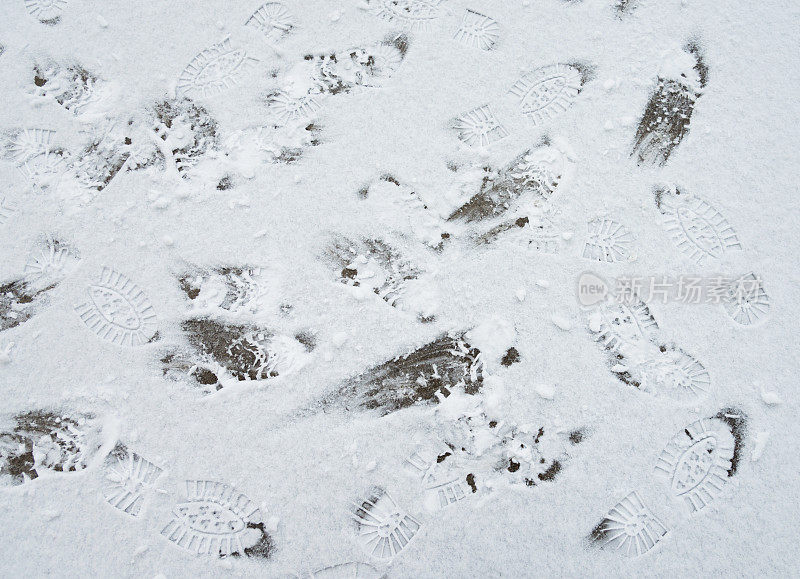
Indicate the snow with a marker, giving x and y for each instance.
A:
(309, 208)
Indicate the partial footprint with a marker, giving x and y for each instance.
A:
(232, 289)
(273, 19)
(478, 31)
(607, 241)
(42, 442)
(629, 527)
(413, 15)
(745, 300)
(479, 127)
(46, 11)
(223, 354)
(373, 266)
(128, 479)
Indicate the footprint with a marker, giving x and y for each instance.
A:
(695, 466)
(46, 11)
(185, 134)
(340, 73)
(374, 266)
(20, 300)
(100, 160)
(478, 31)
(413, 15)
(618, 324)
(384, 529)
(118, 310)
(639, 358)
(667, 116)
(73, 87)
(51, 260)
(665, 370)
(697, 229)
(388, 194)
(350, 570)
(273, 19)
(218, 520)
(479, 127)
(127, 479)
(36, 157)
(533, 176)
(42, 442)
(228, 353)
(550, 90)
(422, 376)
(607, 241)
(442, 483)
(745, 300)
(697, 462)
(233, 289)
(286, 109)
(629, 527)
(214, 70)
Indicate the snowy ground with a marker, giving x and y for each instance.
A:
(292, 289)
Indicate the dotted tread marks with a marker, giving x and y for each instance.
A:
(697, 229)
(412, 14)
(550, 90)
(218, 520)
(214, 70)
(118, 310)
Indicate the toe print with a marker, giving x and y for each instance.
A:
(384, 529)
(479, 127)
(478, 31)
(629, 527)
(273, 19)
(128, 479)
(607, 241)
